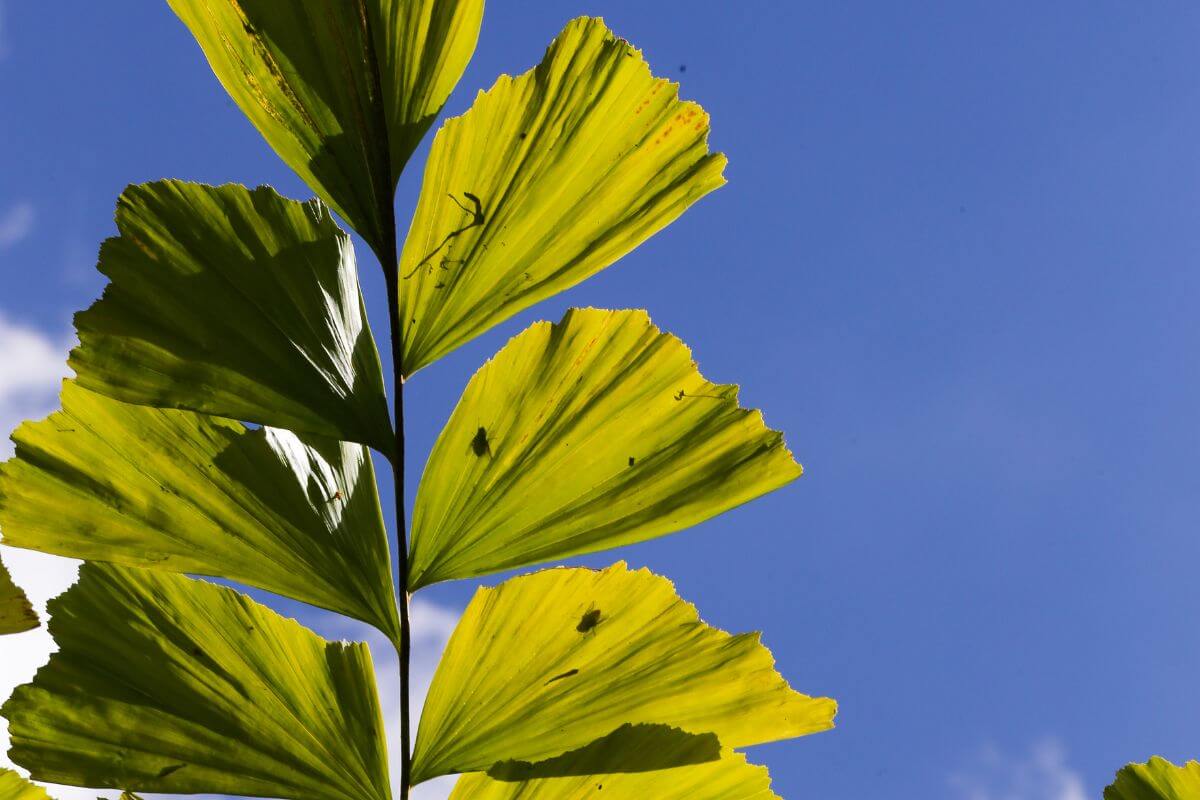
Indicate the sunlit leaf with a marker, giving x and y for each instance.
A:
(163, 683)
(1157, 779)
(238, 303)
(183, 492)
(551, 662)
(549, 178)
(342, 90)
(14, 787)
(730, 778)
(16, 615)
(575, 438)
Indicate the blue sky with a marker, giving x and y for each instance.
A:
(955, 262)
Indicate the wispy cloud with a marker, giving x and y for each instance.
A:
(1043, 773)
(17, 222)
(31, 372)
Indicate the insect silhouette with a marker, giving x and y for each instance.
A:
(632, 461)
(682, 394)
(589, 620)
(480, 445)
(477, 220)
(569, 673)
(337, 495)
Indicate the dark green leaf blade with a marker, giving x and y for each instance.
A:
(237, 303)
(163, 683)
(16, 614)
(342, 91)
(184, 492)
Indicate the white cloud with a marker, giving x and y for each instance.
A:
(17, 222)
(1041, 774)
(32, 366)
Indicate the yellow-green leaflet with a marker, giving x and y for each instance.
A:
(237, 303)
(163, 683)
(14, 787)
(342, 90)
(1157, 779)
(576, 437)
(552, 662)
(184, 492)
(16, 615)
(546, 180)
(730, 778)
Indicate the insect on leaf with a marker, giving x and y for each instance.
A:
(1157, 779)
(16, 614)
(343, 91)
(184, 492)
(589, 620)
(237, 303)
(729, 778)
(591, 447)
(650, 661)
(546, 180)
(163, 683)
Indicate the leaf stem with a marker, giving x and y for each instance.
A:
(387, 250)
(404, 646)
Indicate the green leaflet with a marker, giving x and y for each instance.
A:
(16, 615)
(586, 444)
(730, 778)
(14, 787)
(167, 684)
(1157, 779)
(237, 303)
(343, 91)
(183, 492)
(557, 660)
(546, 180)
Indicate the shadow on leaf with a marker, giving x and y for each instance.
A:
(630, 748)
